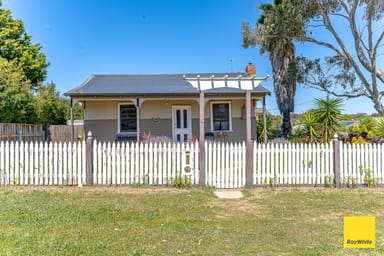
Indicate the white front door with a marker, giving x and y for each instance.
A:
(182, 123)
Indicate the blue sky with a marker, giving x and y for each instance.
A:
(84, 37)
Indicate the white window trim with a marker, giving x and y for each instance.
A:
(118, 117)
(230, 115)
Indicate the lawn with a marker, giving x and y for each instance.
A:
(163, 221)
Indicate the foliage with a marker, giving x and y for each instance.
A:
(49, 107)
(260, 128)
(23, 68)
(349, 182)
(16, 99)
(276, 29)
(321, 123)
(379, 128)
(369, 180)
(182, 182)
(366, 131)
(350, 71)
(310, 126)
(329, 181)
(78, 109)
(269, 183)
(16, 47)
(327, 115)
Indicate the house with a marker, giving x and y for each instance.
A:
(127, 106)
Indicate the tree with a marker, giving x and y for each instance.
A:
(78, 110)
(327, 114)
(311, 126)
(50, 108)
(320, 123)
(16, 99)
(260, 128)
(275, 31)
(16, 47)
(350, 71)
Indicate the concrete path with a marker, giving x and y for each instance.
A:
(228, 194)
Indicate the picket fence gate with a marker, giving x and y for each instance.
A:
(38, 163)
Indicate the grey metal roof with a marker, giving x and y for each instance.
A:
(147, 84)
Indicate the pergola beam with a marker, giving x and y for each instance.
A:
(247, 84)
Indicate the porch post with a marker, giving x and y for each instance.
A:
(202, 139)
(265, 121)
(256, 119)
(72, 126)
(137, 119)
(249, 161)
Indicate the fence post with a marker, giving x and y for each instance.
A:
(89, 159)
(249, 154)
(202, 178)
(18, 134)
(336, 160)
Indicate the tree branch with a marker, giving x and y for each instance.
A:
(346, 53)
(336, 94)
(341, 15)
(344, 6)
(328, 45)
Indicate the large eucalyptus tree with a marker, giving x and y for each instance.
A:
(353, 32)
(275, 32)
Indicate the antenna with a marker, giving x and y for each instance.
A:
(230, 63)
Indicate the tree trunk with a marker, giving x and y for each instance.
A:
(286, 125)
(284, 83)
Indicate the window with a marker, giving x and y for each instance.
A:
(127, 118)
(221, 116)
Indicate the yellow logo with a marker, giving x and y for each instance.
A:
(359, 232)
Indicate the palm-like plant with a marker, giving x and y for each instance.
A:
(379, 128)
(260, 128)
(275, 31)
(310, 126)
(328, 114)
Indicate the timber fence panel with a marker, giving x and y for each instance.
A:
(47, 163)
(21, 132)
(143, 163)
(361, 164)
(38, 163)
(292, 164)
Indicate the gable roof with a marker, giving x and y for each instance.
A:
(148, 84)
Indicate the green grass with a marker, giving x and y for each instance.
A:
(157, 221)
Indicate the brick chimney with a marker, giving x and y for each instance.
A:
(250, 69)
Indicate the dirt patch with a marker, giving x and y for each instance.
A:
(229, 207)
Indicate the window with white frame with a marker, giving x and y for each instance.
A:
(221, 116)
(127, 118)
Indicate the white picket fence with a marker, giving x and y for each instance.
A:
(225, 164)
(143, 163)
(39, 163)
(159, 163)
(358, 159)
(292, 164)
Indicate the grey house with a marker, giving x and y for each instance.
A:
(130, 107)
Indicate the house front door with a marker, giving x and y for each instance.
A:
(182, 123)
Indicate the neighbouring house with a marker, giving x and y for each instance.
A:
(130, 106)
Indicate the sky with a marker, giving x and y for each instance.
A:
(84, 37)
